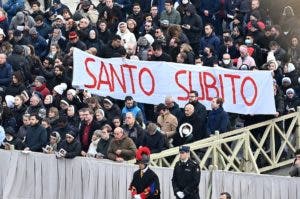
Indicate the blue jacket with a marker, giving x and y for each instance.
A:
(5, 74)
(44, 30)
(218, 120)
(137, 112)
(13, 6)
(212, 40)
(40, 46)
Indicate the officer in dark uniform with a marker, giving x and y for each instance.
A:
(145, 183)
(186, 176)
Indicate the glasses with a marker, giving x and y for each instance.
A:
(192, 96)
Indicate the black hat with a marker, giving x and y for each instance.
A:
(160, 107)
(71, 133)
(10, 131)
(184, 149)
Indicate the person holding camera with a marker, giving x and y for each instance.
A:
(295, 169)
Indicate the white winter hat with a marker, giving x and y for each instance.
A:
(10, 100)
(149, 38)
(60, 88)
(2, 32)
(72, 92)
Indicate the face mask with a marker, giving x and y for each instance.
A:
(205, 54)
(226, 61)
(248, 41)
(9, 138)
(185, 131)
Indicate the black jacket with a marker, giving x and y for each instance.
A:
(195, 21)
(36, 138)
(103, 146)
(148, 180)
(15, 89)
(155, 142)
(73, 149)
(198, 131)
(17, 142)
(186, 178)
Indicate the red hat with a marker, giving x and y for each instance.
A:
(72, 35)
(142, 155)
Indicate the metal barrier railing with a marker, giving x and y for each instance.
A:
(244, 149)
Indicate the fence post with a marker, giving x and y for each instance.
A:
(297, 129)
(215, 159)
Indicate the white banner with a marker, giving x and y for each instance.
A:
(244, 92)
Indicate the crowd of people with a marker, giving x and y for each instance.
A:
(42, 112)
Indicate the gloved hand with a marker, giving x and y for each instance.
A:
(137, 196)
(180, 194)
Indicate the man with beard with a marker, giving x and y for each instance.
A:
(36, 137)
(191, 128)
(200, 109)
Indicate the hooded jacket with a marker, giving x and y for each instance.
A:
(195, 22)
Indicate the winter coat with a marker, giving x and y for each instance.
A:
(94, 126)
(125, 144)
(195, 21)
(15, 89)
(40, 46)
(36, 138)
(137, 112)
(42, 89)
(291, 103)
(44, 30)
(13, 6)
(18, 114)
(136, 133)
(5, 74)
(73, 149)
(28, 21)
(173, 17)
(198, 132)
(155, 142)
(112, 113)
(211, 40)
(79, 44)
(217, 120)
(103, 145)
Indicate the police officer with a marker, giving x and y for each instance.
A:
(186, 176)
(145, 183)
